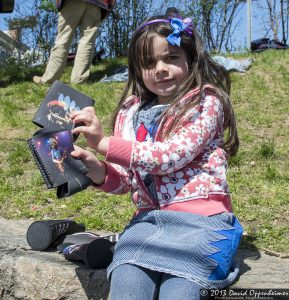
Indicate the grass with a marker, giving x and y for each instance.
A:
(258, 176)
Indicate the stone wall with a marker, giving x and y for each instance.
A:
(33, 275)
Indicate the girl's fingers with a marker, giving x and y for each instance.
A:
(74, 114)
(77, 153)
(86, 156)
(82, 118)
(87, 111)
(77, 148)
(81, 129)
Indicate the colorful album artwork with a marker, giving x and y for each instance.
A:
(60, 100)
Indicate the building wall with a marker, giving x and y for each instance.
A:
(10, 47)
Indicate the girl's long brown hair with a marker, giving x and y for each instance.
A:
(202, 70)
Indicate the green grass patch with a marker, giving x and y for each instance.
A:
(258, 176)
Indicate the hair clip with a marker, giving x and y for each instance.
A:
(189, 26)
(178, 26)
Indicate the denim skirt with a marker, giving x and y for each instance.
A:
(198, 248)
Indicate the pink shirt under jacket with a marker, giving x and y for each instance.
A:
(189, 166)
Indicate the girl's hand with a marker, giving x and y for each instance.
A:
(90, 126)
(97, 170)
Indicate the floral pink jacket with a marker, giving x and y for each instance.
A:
(189, 166)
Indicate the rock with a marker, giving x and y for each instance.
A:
(259, 270)
(36, 275)
(32, 275)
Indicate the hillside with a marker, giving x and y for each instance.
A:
(258, 175)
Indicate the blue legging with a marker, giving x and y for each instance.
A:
(130, 282)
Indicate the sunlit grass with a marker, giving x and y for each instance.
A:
(258, 176)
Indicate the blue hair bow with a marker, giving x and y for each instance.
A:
(178, 26)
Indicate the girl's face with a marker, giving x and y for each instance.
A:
(167, 70)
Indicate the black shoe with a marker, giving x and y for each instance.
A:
(99, 253)
(96, 254)
(94, 250)
(50, 233)
(78, 238)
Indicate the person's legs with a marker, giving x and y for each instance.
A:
(85, 50)
(130, 282)
(172, 288)
(69, 18)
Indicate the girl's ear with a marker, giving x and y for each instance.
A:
(173, 12)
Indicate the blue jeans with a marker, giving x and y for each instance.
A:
(130, 282)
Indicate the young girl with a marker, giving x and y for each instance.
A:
(169, 150)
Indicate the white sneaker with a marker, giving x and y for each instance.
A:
(37, 80)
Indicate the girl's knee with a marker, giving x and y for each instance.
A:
(129, 282)
(173, 287)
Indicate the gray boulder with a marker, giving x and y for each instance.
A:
(33, 275)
